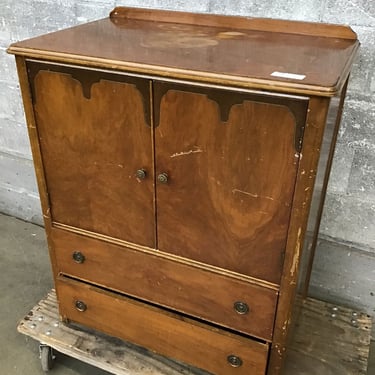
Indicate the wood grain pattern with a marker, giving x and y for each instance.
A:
(322, 344)
(226, 98)
(87, 77)
(230, 223)
(285, 315)
(93, 347)
(168, 256)
(215, 54)
(228, 198)
(235, 22)
(190, 290)
(161, 332)
(91, 150)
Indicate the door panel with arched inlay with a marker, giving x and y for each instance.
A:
(230, 160)
(95, 134)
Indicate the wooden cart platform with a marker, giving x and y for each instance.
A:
(329, 340)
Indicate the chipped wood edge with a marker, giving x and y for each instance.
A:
(328, 166)
(307, 169)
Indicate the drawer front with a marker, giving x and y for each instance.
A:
(160, 331)
(220, 299)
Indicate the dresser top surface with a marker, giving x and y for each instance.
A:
(289, 56)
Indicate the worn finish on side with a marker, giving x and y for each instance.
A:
(162, 332)
(324, 170)
(190, 290)
(306, 174)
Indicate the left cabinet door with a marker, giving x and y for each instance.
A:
(96, 143)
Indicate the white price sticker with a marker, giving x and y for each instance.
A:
(300, 77)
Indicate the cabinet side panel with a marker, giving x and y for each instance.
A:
(307, 170)
(95, 139)
(36, 153)
(320, 188)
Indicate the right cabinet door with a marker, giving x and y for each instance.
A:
(226, 165)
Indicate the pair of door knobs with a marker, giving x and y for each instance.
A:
(162, 177)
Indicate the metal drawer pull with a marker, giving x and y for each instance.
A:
(163, 178)
(141, 174)
(234, 361)
(78, 257)
(81, 306)
(241, 308)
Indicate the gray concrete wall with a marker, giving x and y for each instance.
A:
(349, 215)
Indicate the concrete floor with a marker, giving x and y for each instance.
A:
(25, 278)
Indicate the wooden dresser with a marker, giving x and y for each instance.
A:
(182, 162)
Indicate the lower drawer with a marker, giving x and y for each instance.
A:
(168, 334)
(220, 299)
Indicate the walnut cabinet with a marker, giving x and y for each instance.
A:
(182, 162)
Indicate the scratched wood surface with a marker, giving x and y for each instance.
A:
(232, 168)
(323, 344)
(207, 47)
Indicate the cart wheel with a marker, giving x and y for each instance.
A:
(46, 357)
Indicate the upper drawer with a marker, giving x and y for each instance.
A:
(221, 299)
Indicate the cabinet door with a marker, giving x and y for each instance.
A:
(94, 131)
(231, 160)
